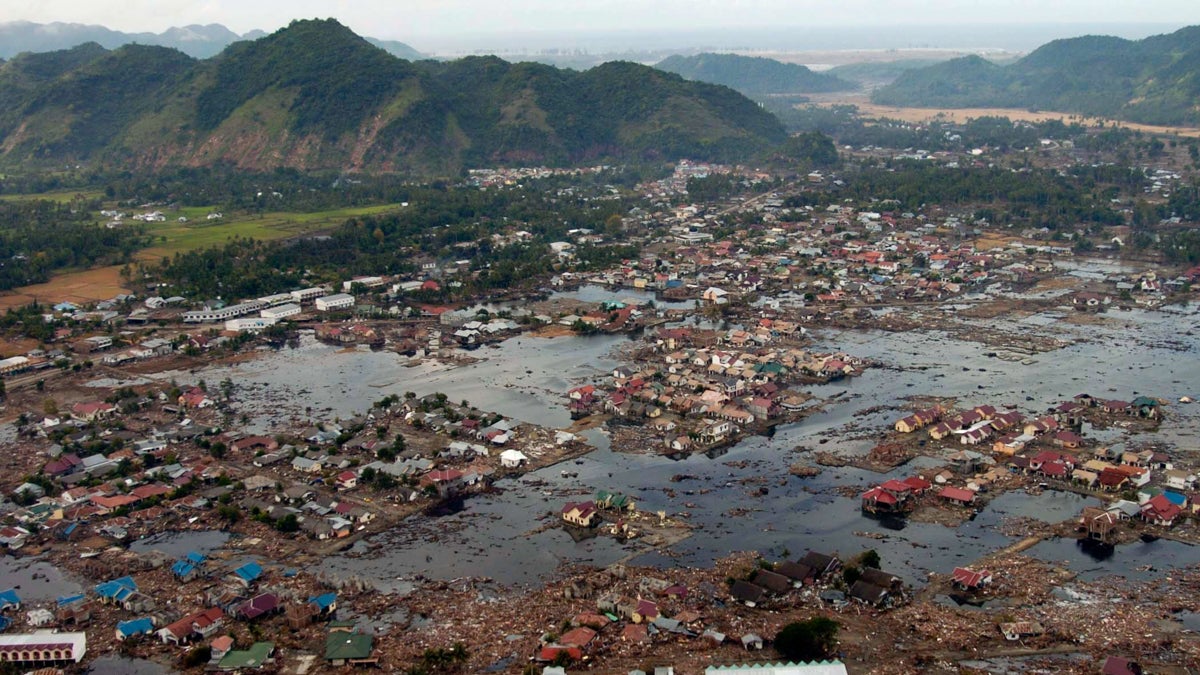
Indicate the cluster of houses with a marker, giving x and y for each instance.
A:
(587, 514)
(704, 386)
(970, 427)
(1058, 458)
(872, 587)
(839, 257)
(231, 593)
(653, 609)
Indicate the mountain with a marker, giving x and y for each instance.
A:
(872, 73)
(752, 75)
(398, 49)
(195, 40)
(316, 96)
(1154, 81)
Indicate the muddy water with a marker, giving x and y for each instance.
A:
(525, 379)
(1134, 353)
(179, 544)
(594, 293)
(35, 580)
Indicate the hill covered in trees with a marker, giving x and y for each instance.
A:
(1152, 81)
(316, 96)
(753, 75)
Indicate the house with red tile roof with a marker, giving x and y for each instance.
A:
(577, 637)
(198, 624)
(583, 514)
(957, 495)
(1160, 511)
(968, 579)
(917, 484)
(878, 500)
(91, 411)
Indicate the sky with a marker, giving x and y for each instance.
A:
(424, 21)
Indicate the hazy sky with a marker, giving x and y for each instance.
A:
(413, 20)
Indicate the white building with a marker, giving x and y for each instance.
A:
(277, 299)
(281, 312)
(42, 646)
(307, 294)
(810, 668)
(241, 325)
(337, 301)
(365, 281)
(512, 459)
(224, 313)
(13, 364)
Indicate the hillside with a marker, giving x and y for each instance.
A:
(197, 41)
(1153, 81)
(315, 95)
(752, 75)
(873, 73)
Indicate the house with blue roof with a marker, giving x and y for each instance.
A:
(68, 600)
(9, 600)
(188, 567)
(1175, 498)
(134, 627)
(248, 573)
(326, 603)
(184, 571)
(117, 591)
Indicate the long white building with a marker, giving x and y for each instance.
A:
(308, 294)
(43, 646)
(337, 301)
(281, 312)
(224, 313)
(248, 324)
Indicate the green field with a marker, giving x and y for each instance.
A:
(56, 196)
(198, 232)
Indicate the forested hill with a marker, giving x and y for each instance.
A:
(753, 75)
(1152, 81)
(316, 96)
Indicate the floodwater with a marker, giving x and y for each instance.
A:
(35, 580)
(1137, 352)
(594, 293)
(1136, 561)
(179, 544)
(525, 378)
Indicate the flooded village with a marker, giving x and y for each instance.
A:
(973, 449)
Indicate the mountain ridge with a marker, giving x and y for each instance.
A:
(199, 41)
(752, 75)
(315, 95)
(1155, 80)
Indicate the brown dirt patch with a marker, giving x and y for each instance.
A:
(101, 283)
(553, 331)
(16, 346)
(1058, 284)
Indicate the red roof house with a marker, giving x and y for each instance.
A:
(957, 495)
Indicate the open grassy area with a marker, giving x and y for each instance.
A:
(102, 283)
(57, 196)
(198, 232)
